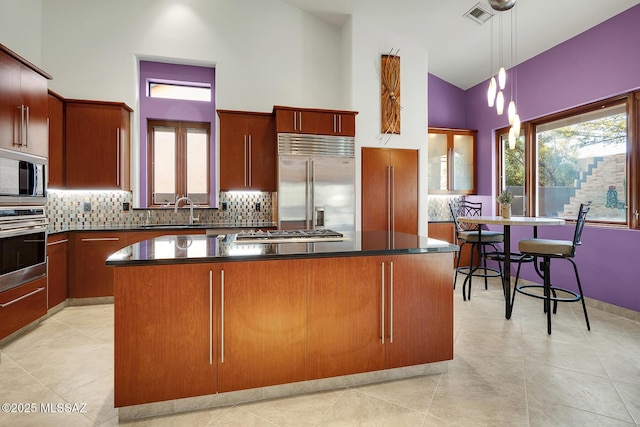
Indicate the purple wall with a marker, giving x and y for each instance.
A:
(599, 63)
(171, 109)
(447, 104)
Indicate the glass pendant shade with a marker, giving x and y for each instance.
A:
(491, 93)
(511, 111)
(500, 103)
(502, 78)
(512, 138)
(516, 124)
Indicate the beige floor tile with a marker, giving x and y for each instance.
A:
(480, 403)
(547, 414)
(305, 410)
(576, 390)
(358, 409)
(559, 354)
(630, 394)
(413, 393)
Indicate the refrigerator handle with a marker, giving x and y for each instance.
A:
(309, 194)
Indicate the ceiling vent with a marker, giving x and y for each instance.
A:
(479, 13)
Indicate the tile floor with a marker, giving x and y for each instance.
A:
(505, 373)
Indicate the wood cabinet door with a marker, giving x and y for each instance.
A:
(94, 145)
(375, 189)
(263, 153)
(404, 184)
(9, 101)
(420, 309)
(233, 151)
(56, 142)
(262, 324)
(33, 87)
(247, 151)
(165, 342)
(336, 123)
(57, 255)
(22, 305)
(90, 250)
(344, 320)
(390, 190)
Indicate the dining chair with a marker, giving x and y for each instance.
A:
(549, 249)
(479, 240)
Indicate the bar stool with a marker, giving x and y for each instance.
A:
(479, 241)
(548, 249)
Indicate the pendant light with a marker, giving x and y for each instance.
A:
(500, 103)
(491, 93)
(512, 139)
(502, 77)
(511, 111)
(516, 124)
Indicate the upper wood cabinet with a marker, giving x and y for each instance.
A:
(23, 105)
(247, 151)
(56, 141)
(97, 138)
(452, 161)
(314, 121)
(390, 190)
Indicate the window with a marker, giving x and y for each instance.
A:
(185, 91)
(570, 158)
(179, 161)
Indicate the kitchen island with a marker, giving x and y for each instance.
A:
(208, 316)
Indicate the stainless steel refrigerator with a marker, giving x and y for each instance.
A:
(316, 185)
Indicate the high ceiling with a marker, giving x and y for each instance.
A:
(459, 48)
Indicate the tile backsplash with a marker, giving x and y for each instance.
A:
(80, 210)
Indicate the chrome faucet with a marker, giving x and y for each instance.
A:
(186, 200)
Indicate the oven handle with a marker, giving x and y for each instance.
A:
(35, 291)
(21, 231)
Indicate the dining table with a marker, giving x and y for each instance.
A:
(506, 224)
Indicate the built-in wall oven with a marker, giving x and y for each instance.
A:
(23, 245)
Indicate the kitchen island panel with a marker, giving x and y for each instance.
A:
(165, 321)
(420, 328)
(344, 316)
(262, 328)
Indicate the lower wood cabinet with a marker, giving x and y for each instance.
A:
(22, 305)
(90, 277)
(344, 316)
(165, 321)
(57, 255)
(371, 313)
(262, 326)
(419, 309)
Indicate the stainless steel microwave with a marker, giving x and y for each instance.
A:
(22, 178)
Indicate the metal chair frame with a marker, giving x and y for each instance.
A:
(550, 292)
(466, 208)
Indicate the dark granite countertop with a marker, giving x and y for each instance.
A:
(173, 249)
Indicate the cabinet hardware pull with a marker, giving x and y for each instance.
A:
(117, 156)
(295, 120)
(101, 239)
(210, 317)
(58, 242)
(20, 134)
(388, 199)
(35, 291)
(244, 141)
(391, 302)
(382, 305)
(300, 120)
(221, 316)
(26, 129)
(249, 158)
(393, 205)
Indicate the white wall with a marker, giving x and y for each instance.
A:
(265, 52)
(20, 28)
